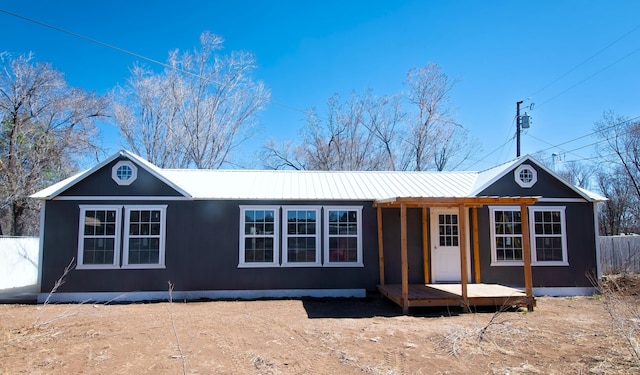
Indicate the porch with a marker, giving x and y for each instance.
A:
(450, 295)
(463, 293)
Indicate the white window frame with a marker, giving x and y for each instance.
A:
(534, 235)
(327, 236)
(129, 181)
(117, 237)
(127, 235)
(494, 250)
(522, 183)
(276, 240)
(286, 236)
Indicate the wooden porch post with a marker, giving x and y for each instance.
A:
(403, 258)
(476, 246)
(462, 241)
(526, 254)
(425, 248)
(380, 247)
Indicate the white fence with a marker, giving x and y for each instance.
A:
(19, 257)
(619, 254)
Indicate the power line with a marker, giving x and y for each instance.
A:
(592, 133)
(589, 77)
(492, 152)
(585, 61)
(137, 55)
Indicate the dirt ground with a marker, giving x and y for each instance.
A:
(315, 336)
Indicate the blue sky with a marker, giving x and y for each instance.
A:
(499, 51)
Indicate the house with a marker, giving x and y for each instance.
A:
(131, 227)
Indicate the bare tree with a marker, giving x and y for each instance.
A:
(368, 132)
(616, 215)
(283, 155)
(356, 134)
(46, 126)
(454, 147)
(576, 173)
(434, 137)
(621, 149)
(622, 145)
(341, 141)
(196, 112)
(146, 111)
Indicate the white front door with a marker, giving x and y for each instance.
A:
(445, 245)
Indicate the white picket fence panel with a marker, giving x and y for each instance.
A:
(619, 254)
(19, 257)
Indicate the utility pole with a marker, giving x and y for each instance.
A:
(518, 128)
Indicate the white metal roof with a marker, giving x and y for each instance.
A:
(314, 185)
(319, 185)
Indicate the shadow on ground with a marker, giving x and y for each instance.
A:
(372, 306)
(22, 294)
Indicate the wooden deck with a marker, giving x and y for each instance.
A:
(451, 295)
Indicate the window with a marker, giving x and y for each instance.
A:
(103, 244)
(343, 236)
(548, 235)
(301, 236)
(526, 176)
(507, 235)
(98, 243)
(144, 236)
(259, 236)
(124, 172)
(448, 229)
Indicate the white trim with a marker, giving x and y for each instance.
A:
(596, 233)
(532, 237)
(124, 163)
(358, 236)
(564, 291)
(518, 179)
(41, 244)
(492, 229)
(561, 200)
(121, 198)
(161, 237)
(276, 240)
(532, 231)
(116, 297)
(506, 168)
(285, 236)
(434, 223)
(117, 237)
(66, 184)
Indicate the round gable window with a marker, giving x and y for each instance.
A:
(124, 172)
(526, 176)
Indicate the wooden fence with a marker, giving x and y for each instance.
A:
(619, 254)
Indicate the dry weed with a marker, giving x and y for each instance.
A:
(623, 310)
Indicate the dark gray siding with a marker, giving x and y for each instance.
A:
(547, 186)
(100, 183)
(581, 236)
(202, 253)
(391, 240)
(581, 253)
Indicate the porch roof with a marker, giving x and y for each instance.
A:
(452, 201)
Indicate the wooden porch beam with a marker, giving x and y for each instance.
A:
(380, 247)
(476, 246)
(526, 254)
(462, 241)
(452, 201)
(425, 247)
(403, 259)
